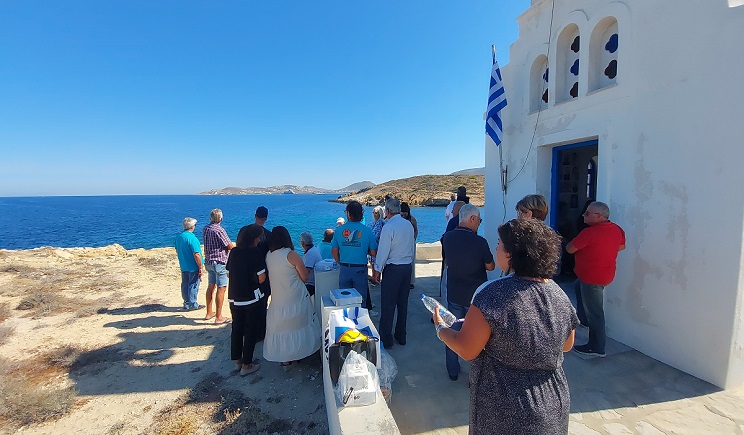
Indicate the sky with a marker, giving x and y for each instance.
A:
(172, 97)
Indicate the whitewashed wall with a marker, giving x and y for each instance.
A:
(671, 149)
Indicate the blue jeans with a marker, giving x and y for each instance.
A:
(216, 273)
(354, 277)
(189, 287)
(592, 298)
(451, 358)
(579, 304)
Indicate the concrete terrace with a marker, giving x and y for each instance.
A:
(623, 393)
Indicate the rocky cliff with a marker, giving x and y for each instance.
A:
(422, 190)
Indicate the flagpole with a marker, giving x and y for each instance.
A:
(501, 157)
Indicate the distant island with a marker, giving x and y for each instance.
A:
(287, 189)
(421, 190)
(472, 171)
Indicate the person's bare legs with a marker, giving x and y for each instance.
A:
(210, 296)
(219, 300)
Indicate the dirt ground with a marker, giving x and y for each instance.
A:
(93, 341)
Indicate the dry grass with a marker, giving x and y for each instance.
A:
(4, 312)
(158, 262)
(117, 429)
(5, 333)
(56, 290)
(63, 358)
(30, 393)
(212, 407)
(27, 397)
(67, 287)
(180, 422)
(41, 303)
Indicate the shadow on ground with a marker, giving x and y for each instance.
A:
(154, 357)
(424, 399)
(140, 309)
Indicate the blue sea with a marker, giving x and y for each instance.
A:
(154, 221)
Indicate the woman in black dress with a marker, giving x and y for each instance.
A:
(516, 331)
(246, 266)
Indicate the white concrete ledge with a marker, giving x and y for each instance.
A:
(429, 251)
(373, 419)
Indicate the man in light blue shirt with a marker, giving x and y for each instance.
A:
(393, 261)
(351, 244)
(190, 260)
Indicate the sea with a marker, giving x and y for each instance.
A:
(153, 221)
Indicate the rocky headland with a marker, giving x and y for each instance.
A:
(421, 190)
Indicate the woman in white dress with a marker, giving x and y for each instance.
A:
(291, 324)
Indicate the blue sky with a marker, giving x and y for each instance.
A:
(156, 97)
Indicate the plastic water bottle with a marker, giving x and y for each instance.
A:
(431, 304)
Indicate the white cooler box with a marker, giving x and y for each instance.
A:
(344, 297)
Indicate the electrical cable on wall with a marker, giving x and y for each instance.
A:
(504, 172)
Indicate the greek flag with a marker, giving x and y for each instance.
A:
(496, 102)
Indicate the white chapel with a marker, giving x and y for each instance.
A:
(639, 104)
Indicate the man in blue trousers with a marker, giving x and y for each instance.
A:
(190, 258)
(393, 262)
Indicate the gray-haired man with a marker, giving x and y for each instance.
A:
(190, 260)
(393, 261)
(216, 246)
(468, 257)
(595, 250)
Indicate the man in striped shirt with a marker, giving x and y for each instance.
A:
(216, 247)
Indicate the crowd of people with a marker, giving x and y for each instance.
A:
(265, 263)
(514, 328)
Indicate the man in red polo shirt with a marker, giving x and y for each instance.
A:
(595, 250)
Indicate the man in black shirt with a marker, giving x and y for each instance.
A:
(451, 225)
(454, 220)
(468, 257)
(261, 215)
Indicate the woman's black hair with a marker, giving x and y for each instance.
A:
(534, 247)
(404, 207)
(248, 235)
(280, 238)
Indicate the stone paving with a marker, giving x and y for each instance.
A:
(624, 393)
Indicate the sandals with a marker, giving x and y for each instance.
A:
(286, 365)
(247, 369)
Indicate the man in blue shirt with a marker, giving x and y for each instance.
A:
(190, 259)
(351, 244)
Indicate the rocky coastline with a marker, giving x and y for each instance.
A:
(420, 191)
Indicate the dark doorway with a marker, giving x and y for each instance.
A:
(574, 181)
